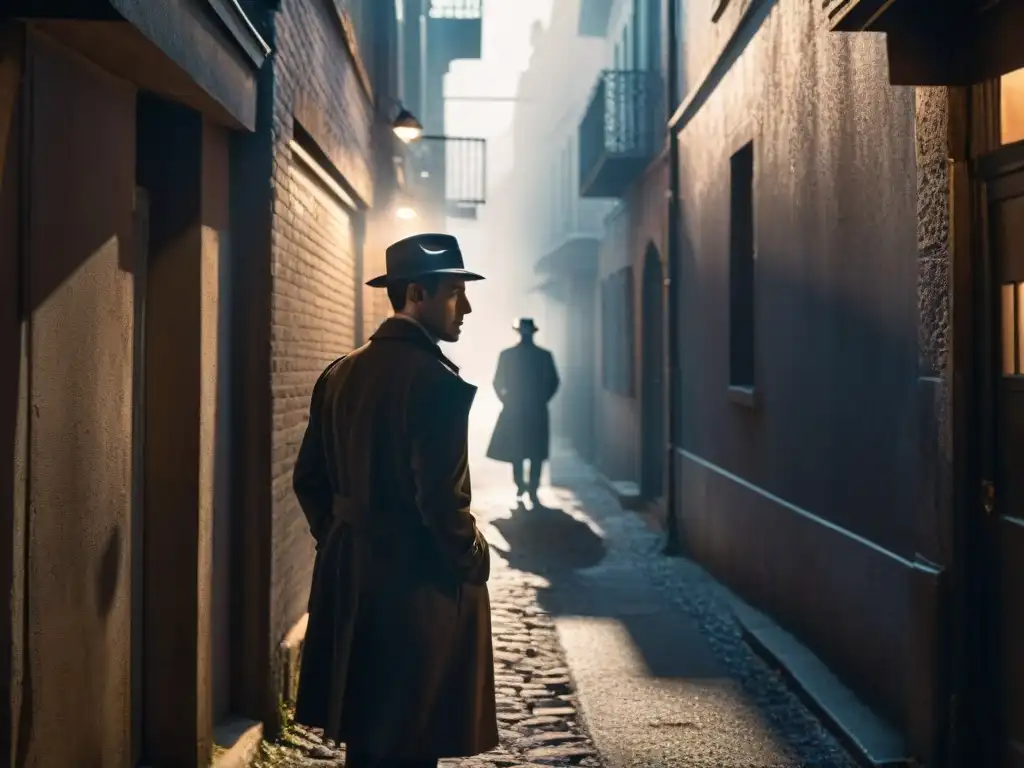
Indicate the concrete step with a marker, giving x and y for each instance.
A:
(237, 743)
(626, 492)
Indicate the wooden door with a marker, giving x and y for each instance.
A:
(1003, 460)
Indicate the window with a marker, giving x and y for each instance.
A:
(617, 332)
(741, 270)
(1011, 106)
(1012, 310)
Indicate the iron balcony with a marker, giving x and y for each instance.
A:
(621, 131)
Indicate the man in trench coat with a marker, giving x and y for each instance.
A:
(525, 381)
(397, 661)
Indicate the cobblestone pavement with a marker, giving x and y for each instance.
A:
(557, 575)
(537, 708)
(537, 713)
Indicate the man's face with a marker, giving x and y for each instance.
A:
(443, 312)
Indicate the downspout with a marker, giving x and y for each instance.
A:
(673, 543)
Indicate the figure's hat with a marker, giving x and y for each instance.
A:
(421, 255)
(525, 325)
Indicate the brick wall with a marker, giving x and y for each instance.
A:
(381, 232)
(314, 308)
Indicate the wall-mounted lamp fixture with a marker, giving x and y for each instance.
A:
(407, 127)
(405, 213)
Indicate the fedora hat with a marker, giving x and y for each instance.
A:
(525, 324)
(421, 255)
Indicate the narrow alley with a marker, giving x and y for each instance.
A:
(746, 277)
(608, 653)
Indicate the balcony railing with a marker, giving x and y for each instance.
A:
(449, 173)
(622, 129)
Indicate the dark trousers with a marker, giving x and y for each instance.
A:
(519, 474)
(363, 760)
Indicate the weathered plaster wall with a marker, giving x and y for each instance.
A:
(835, 429)
(76, 681)
(836, 285)
(934, 528)
(648, 228)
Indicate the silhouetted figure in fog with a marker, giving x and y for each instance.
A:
(525, 381)
(397, 661)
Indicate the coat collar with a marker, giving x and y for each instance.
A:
(397, 329)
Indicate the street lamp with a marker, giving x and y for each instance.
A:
(407, 127)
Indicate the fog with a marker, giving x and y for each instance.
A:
(525, 96)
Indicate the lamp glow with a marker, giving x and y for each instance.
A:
(407, 127)
(405, 213)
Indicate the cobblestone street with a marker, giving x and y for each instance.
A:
(608, 653)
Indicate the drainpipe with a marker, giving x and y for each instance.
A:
(673, 544)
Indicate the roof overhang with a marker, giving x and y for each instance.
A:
(202, 53)
(939, 42)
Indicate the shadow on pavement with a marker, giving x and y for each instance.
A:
(581, 583)
(544, 541)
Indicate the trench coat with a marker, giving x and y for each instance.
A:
(525, 381)
(397, 661)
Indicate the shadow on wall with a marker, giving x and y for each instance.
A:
(11, 370)
(833, 433)
(75, 299)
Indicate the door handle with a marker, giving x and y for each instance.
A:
(988, 496)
